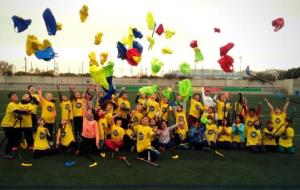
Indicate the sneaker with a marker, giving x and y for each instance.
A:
(175, 157)
(51, 143)
(102, 154)
(8, 156)
(93, 164)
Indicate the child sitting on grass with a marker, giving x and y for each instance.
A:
(238, 133)
(254, 138)
(285, 143)
(224, 135)
(41, 145)
(269, 141)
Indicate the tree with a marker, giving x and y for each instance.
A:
(6, 68)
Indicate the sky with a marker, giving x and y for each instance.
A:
(246, 23)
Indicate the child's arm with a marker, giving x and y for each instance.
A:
(58, 137)
(171, 128)
(286, 105)
(97, 134)
(72, 93)
(40, 94)
(59, 93)
(269, 105)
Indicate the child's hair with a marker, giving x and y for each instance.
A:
(240, 116)
(11, 94)
(41, 120)
(251, 110)
(269, 122)
(117, 119)
(29, 86)
(210, 117)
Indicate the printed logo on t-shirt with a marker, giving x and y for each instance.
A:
(42, 135)
(197, 107)
(67, 107)
(140, 136)
(78, 105)
(277, 120)
(164, 110)
(49, 108)
(151, 108)
(210, 132)
(135, 119)
(253, 134)
(249, 123)
(63, 133)
(115, 133)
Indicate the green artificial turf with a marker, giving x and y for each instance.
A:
(193, 170)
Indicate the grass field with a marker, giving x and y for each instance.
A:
(194, 169)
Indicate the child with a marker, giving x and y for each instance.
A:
(48, 112)
(285, 143)
(144, 137)
(102, 125)
(123, 108)
(76, 100)
(269, 141)
(254, 138)
(9, 122)
(35, 102)
(137, 114)
(207, 100)
(250, 117)
(224, 135)
(117, 134)
(152, 107)
(164, 136)
(223, 107)
(182, 129)
(65, 138)
(195, 110)
(26, 120)
(211, 133)
(238, 133)
(41, 145)
(278, 116)
(165, 109)
(65, 106)
(196, 136)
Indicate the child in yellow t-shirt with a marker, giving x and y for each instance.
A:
(285, 143)
(211, 132)
(254, 138)
(224, 135)
(76, 100)
(41, 145)
(269, 141)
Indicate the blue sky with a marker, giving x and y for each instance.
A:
(247, 23)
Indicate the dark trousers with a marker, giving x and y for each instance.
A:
(34, 121)
(27, 133)
(224, 145)
(40, 153)
(128, 142)
(50, 127)
(270, 148)
(77, 126)
(146, 153)
(256, 149)
(88, 145)
(11, 136)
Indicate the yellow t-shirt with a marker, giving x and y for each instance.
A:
(102, 127)
(66, 107)
(40, 139)
(9, 119)
(164, 111)
(152, 108)
(220, 109)
(48, 111)
(129, 132)
(211, 132)
(26, 119)
(34, 106)
(206, 114)
(77, 107)
(286, 140)
(142, 101)
(136, 117)
(195, 108)
(249, 123)
(66, 135)
(122, 104)
(117, 133)
(227, 136)
(180, 116)
(278, 120)
(253, 137)
(268, 137)
(144, 136)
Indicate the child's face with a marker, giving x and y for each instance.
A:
(164, 125)
(77, 95)
(222, 98)
(31, 90)
(145, 121)
(165, 100)
(178, 108)
(26, 97)
(143, 95)
(124, 96)
(119, 122)
(224, 121)
(41, 122)
(89, 114)
(277, 111)
(48, 96)
(197, 97)
(139, 108)
(14, 97)
(251, 113)
(237, 120)
(207, 93)
(179, 98)
(152, 122)
(209, 109)
(226, 95)
(65, 98)
(63, 122)
(270, 126)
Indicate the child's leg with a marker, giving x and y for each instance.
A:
(128, 142)
(253, 149)
(9, 133)
(37, 153)
(235, 145)
(280, 149)
(34, 121)
(110, 144)
(50, 127)
(28, 136)
(177, 139)
(291, 150)
(77, 126)
(227, 145)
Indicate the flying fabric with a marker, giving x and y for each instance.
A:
(20, 24)
(49, 22)
(225, 49)
(185, 68)
(149, 90)
(136, 33)
(109, 69)
(33, 44)
(150, 21)
(278, 24)
(58, 26)
(169, 34)
(166, 50)
(121, 51)
(133, 56)
(198, 55)
(156, 65)
(151, 41)
(137, 46)
(93, 60)
(217, 30)
(160, 29)
(83, 13)
(98, 38)
(46, 54)
(103, 57)
(194, 44)
(185, 87)
(167, 92)
(226, 63)
(98, 75)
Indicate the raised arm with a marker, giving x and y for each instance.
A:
(40, 93)
(59, 93)
(72, 92)
(286, 105)
(269, 105)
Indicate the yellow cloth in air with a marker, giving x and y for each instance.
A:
(166, 50)
(151, 41)
(150, 21)
(77, 107)
(286, 140)
(103, 57)
(84, 13)
(9, 118)
(169, 34)
(253, 137)
(58, 26)
(65, 106)
(225, 137)
(40, 139)
(48, 111)
(93, 59)
(195, 108)
(98, 38)
(66, 134)
(144, 137)
(33, 44)
(211, 132)
(98, 75)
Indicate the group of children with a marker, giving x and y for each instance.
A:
(90, 125)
